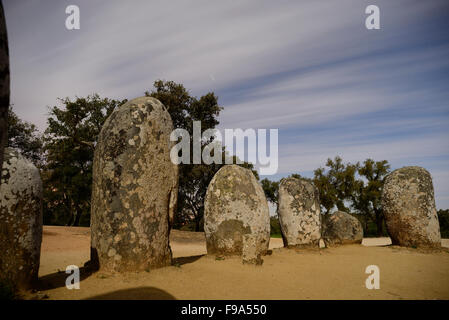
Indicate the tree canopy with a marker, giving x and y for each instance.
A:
(194, 179)
(25, 137)
(69, 144)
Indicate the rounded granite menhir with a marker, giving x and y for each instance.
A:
(341, 228)
(135, 187)
(236, 215)
(409, 208)
(20, 221)
(299, 213)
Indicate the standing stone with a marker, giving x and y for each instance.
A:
(135, 187)
(409, 208)
(342, 228)
(299, 213)
(236, 215)
(20, 221)
(4, 84)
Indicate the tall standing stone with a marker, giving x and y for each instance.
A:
(299, 213)
(342, 228)
(20, 221)
(409, 208)
(236, 215)
(135, 187)
(4, 83)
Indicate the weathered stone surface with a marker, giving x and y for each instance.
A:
(135, 187)
(409, 208)
(342, 228)
(299, 213)
(20, 221)
(236, 215)
(4, 84)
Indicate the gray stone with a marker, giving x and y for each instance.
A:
(341, 228)
(20, 221)
(299, 213)
(4, 84)
(409, 208)
(135, 188)
(236, 215)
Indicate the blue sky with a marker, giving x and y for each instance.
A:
(308, 68)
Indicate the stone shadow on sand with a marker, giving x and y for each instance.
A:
(184, 260)
(142, 293)
(57, 279)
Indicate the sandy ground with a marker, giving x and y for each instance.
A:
(331, 273)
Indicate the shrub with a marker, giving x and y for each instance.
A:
(275, 227)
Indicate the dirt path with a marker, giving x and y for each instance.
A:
(332, 273)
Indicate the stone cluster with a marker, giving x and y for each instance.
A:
(134, 197)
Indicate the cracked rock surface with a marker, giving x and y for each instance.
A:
(409, 208)
(135, 187)
(299, 212)
(20, 220)
(236, 215)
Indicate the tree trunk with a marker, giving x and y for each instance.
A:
(70, 222)
(197, 225)
(76, 223)
(379, 223)
(366, 224)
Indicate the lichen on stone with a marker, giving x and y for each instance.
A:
(341, 228)
(299, 213)
(236, 217)
(409, 208)
(135, 188)
(20, 220)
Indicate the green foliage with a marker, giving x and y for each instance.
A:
(70, 140)
(367, 196)
(354, 184)
(184, 109)
(275, 227)
(25, 137)
(194, 179)
(370, 228)
(344, 186)
(69, 144)
(443, 218)
(270, 189)
(336, 184)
